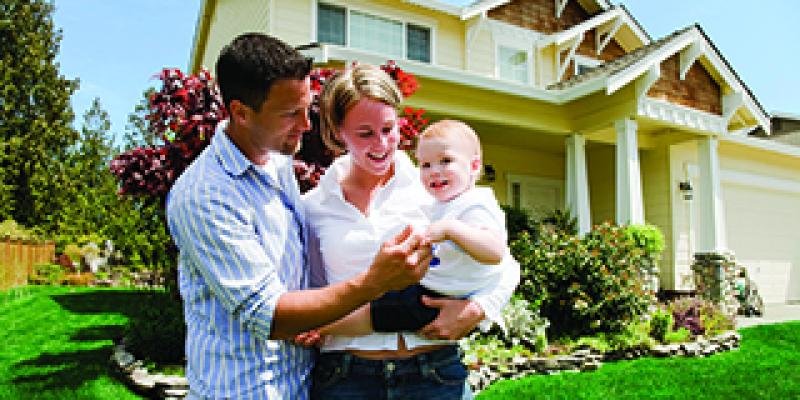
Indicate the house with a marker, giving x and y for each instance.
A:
(577, 108)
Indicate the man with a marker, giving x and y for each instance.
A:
(236, 217)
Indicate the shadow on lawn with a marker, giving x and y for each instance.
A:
(71, 369)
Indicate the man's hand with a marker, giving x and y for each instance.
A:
(400, 262)
(308, 339)
(456, 318)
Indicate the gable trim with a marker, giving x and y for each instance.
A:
(691, 37)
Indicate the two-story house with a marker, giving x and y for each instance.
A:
(577, 108)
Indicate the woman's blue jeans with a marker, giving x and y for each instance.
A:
(438, 374)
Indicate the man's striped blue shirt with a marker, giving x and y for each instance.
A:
(240, 231)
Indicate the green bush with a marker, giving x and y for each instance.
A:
(518, 220)
(158, 333)
(681, 335)
(584, 285)
(50, 274)
(9, 228)
(661, 324)
(647, 237)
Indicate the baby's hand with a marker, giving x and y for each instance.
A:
(308, 339)
(437, 231)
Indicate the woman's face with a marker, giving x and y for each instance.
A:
(370, 134)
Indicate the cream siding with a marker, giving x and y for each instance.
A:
(657, 204)
(294, 20)
(231, 18)
(481, 51)
(602, 187)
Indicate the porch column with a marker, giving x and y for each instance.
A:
(577, 198)
(711, 217)
(630, 208)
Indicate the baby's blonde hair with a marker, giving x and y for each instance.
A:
(456, 130)
(345, 90)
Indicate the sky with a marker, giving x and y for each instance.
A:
(116, 46)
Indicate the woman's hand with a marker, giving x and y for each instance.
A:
(456, 318)
(437, 231)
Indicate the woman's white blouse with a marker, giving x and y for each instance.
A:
(343, 242)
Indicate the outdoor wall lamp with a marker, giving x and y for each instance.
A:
(489, 174)
(686, 189)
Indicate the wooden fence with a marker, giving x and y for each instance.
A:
(17, 258)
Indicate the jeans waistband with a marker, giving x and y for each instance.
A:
(418, 364)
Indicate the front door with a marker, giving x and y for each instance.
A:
(538, 195)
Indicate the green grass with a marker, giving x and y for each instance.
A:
(767, 366)
(55, 342)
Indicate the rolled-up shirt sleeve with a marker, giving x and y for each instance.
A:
(215, 230)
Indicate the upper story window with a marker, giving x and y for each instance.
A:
(512, 64)
(363, 31)
(583, 64)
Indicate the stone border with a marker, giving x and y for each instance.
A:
(591, 360)
(170, 387)
(154, 386)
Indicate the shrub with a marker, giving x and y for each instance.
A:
(519, 220)
(647, 237)
(700, 317)
(661, 323)
(584, 286)
(50, 274)
(681, 335)
(158, 333)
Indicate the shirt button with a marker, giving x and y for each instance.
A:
(390, 366)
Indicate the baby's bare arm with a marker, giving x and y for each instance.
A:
(485, 245)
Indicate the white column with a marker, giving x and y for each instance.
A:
(630, 209)
(711, 216)
(577, 198)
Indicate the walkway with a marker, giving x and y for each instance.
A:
(775, 312)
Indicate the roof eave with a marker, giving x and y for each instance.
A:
(200, 34)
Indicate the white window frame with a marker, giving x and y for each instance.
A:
(385, 14)
(583, 60)
(528, 62)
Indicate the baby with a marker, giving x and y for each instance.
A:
(468, 232)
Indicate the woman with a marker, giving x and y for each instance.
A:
(366, 197)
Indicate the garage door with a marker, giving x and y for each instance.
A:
(763, 230)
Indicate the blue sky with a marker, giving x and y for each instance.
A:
(116, 46)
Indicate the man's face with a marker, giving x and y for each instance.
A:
(283, 117)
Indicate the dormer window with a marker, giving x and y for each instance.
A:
(376, 34)
(583, 64)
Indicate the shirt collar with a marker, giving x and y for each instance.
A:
(229, 156)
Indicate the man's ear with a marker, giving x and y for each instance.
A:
(239, 113)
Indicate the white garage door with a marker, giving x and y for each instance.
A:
(763, 230)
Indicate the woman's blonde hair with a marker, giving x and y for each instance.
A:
(344, 90)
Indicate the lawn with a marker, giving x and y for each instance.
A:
(766, 367)
(55, 342)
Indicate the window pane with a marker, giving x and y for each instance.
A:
(330, 24)
(418, 40)
(513, 64)
(376, 34)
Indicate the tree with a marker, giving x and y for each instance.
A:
(88, 201)
(35, 113)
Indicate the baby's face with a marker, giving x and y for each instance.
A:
(447, 166)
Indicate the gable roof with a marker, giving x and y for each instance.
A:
(623, 70)
(481, 6)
